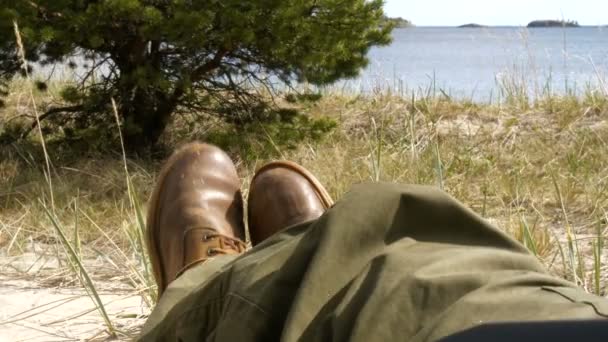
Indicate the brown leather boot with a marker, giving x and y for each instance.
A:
(283, 194)
(195, 212)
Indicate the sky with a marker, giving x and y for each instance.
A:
(497, 12)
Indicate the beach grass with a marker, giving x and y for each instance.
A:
(535, 166)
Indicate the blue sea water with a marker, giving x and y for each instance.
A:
(476, 62)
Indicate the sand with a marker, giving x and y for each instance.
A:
(40, 300)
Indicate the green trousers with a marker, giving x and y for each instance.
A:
(387, 262)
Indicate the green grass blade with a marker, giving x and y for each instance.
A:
(88, 282)
(76, 238)
(140, 244)
(438, 165)
(528, 238)
(140, 247)
(597, 268)
(572, 250)
(598, 246)
(141, 278)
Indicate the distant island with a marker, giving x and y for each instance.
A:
(399, 22)
(554, 23)
(472, 25)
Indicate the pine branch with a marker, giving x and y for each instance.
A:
(50, 112)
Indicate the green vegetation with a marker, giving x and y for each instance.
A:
(532, 164)
(472, 25)
(398, 22)
(554, 23)
(159, 58)
(537, 169)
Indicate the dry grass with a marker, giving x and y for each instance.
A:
(538, 171)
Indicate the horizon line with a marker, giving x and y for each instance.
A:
(500, 26)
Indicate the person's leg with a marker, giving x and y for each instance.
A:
(195, 216)
(198, 191)
(386, 262)
(411, 263)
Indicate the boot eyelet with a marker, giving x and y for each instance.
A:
(210, 252)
